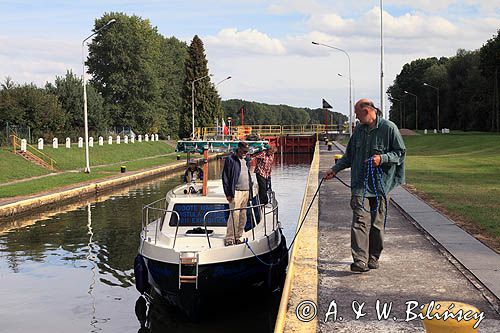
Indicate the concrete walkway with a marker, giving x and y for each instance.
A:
(413, 266)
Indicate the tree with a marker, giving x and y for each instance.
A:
(124, 62)
(206, 100)
(490, 67)
(173, 75)
(69, 92)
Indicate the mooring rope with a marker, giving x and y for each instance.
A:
(372, 174)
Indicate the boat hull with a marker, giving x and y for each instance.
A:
(222, 279)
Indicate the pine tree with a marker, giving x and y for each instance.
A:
(207, 105)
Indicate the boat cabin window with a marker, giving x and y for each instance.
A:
(192, 214)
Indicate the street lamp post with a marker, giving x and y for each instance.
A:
(352, 85)
(85, 116)
(416, 109)
(227, 78)
(350, 81)
(437, 116)
(217, 120)
(192, 100)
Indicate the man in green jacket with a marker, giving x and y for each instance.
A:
(379, 140)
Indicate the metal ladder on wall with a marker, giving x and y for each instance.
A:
(188, 261)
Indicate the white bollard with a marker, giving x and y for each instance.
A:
(101, 141)
(156, 137)
(168, 137)
(146, 137)
(91, 142)
(132, 139)
(442, 131)
(435, 131)
(24, 144)
(40, 144)
(125, 139)
(117, 139)
(425, 131)
(139, 138)
(68, 143)
(80, 142)
(110, 140)
(55, 144)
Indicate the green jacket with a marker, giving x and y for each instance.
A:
(384, 139)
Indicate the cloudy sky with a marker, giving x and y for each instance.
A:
(264, 45)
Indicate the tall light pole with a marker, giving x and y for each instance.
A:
(352, 85)
(437, 90)
(382, 59)
(85, 116)
(416, 109)
(227, 78)
(192, 98)
(350, 81)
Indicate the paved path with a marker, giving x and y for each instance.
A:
(412, 267)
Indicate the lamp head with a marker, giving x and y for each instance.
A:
(425, 84)
(315, 43)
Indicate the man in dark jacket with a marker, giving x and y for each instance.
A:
(236, 182)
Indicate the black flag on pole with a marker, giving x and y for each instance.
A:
(326, 105)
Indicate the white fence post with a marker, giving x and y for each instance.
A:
(68, 143)
(117, 139)
(101, 141)
(140, 138)
(24, 144)
(80, 142)
(146, 137)
(110, 140)
(55, 143)
(132, 138)
(125, 139)
(40, 144)
(91, 142)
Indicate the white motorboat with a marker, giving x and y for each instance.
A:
(182, 255)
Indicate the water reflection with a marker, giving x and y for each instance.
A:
(71, 269)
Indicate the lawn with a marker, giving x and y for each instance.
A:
(105, 161)
(14, 167)
(74, 158)
(461, 173)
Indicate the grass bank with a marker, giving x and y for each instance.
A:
(105, 161)
(14, 167)
(74, 158)
(461, 174)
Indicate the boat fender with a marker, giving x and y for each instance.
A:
(141, 275)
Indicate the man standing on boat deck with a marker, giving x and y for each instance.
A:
(263, 169)
(379, 140)
(236, 182)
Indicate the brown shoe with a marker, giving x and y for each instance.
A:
(373, 263)
(359, 266)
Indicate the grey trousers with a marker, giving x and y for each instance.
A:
(367, 229)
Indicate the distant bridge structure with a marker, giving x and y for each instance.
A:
(287, 138)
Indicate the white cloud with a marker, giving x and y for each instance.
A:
(37, 60)
(233, 42)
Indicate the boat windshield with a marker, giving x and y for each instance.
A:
(192, 214)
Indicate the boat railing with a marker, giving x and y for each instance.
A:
(156, 212)
(261, 207)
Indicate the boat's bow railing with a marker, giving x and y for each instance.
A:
(156, 212)
(261, 208)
